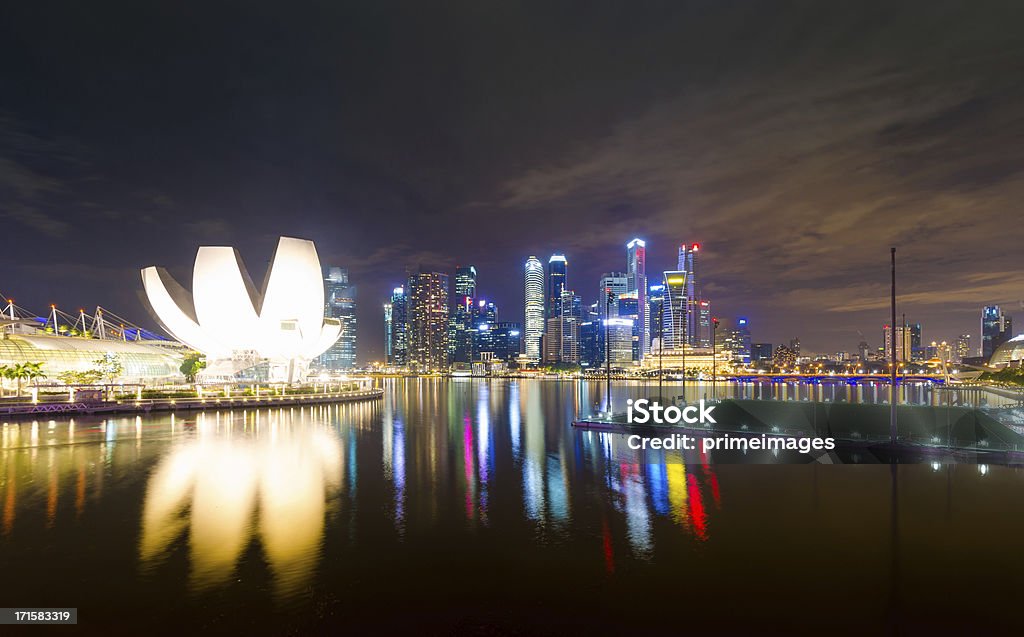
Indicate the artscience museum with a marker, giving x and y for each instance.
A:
(265, 334)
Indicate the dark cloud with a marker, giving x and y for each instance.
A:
(797, 141)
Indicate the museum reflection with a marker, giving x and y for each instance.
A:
(454, 456)
(229, 486)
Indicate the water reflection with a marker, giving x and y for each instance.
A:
(232, 485)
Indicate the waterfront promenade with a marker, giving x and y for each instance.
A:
(147, 405)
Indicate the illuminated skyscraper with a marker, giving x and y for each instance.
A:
(963, 347)
(688, 263)
(465, 281)
(557, 266)
(388, 318)
(397, 347)
(616, 284)
(572, 313)
(636, 272)
(428, 321)
(996, 329)
(340, 303)
(620, 341)
(704, 331)
(676, 309)
(903, 348)
(460, 324)
(655, 301)
(533, 325)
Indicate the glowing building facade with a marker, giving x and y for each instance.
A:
(266, 334)
(675, 310)
(428, 321)
(397, 345)
(533, 325)
(340, 304)
(636, 272)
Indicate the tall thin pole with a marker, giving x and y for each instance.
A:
(608, 351)
(661, 347)
(714, 359)
(892, 372)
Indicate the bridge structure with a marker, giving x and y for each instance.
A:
(851, 379)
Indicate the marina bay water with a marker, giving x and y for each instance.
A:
(469, 505)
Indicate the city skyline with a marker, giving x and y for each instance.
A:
(798, 158)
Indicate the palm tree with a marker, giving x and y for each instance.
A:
(6, 373)
(25, 371)
(33, 372)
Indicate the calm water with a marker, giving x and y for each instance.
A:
(472, 507)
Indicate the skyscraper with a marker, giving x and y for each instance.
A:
(996, 329)
(917, 352)
(903, 348)
(533, 324)
(620, 341)
(398, 345)
(675, 311)
(687, 263)
(428, 321)
(636, 273)
(460, 324)
(616, 284)
(340, 303)
(963, 347)
(655, 301)
(388, 325)
(557, 266)
(704, 331)
(465, 281)
(572, 312)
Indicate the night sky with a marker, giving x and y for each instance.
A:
(796, 142)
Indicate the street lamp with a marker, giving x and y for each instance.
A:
(714, 358)
(608, 349)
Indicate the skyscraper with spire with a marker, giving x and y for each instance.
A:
(533, 323)
(698, 332)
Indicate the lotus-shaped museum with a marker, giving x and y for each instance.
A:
(277, 329)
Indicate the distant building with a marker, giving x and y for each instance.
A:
(675, 310)
(629, 307)
(760, 352)
(533, 325)
(903, 348)
(736, 339)
(340, 303)
(428, 313)
(996, 329)
(551, 341)
(620, 341)
(484, 318)
(591, 354)
(611, 286)
(917, 350)
(784, 357)
(963, 347)
(460, 321)
(557, 270)
(388, 328)
(636, 283)
(397, 345)
(655, 304)
(572, 314)
(506, 341)
(687, 263)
